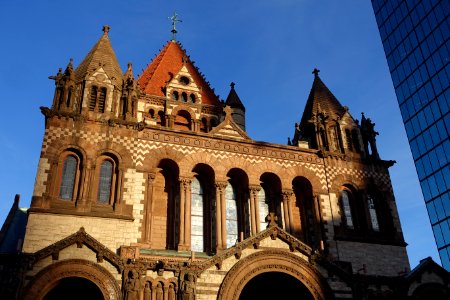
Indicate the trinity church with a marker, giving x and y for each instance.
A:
(148, 187)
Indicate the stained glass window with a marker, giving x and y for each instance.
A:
(68, 178)
(197, 241)
(345, 198)
(231, 215)
(104, 183)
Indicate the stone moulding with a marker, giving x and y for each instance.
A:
(79, 238)
(273, 261)
(49, 277)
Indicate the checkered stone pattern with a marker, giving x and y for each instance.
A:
(140, 148)
(143, 148)
(55, 133)
(360, 175)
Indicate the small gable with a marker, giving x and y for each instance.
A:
(228, 128)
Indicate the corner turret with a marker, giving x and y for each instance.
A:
(237, 108)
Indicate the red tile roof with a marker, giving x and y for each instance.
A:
(169, 61)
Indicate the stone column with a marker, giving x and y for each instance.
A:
(185, 213)
(149, 208)
(220, 215)
(254, 208)
(288, 220)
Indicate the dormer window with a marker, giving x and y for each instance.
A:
(175, 95)
(184, 97)
(184, 80)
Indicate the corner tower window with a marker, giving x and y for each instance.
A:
(372, 213)
(68, 178)
(104, 183)
(345, 198)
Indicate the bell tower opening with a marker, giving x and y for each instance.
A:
(74, 288)
(275, 285)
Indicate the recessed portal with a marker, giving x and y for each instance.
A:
(275, 285)
(74, 288)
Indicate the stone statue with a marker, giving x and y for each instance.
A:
(369, 136)
(187, 287)
(171, 292)
(147, 291)
(132, 286)
(159, 291)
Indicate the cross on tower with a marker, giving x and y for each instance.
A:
(174, 20)
(316, 72)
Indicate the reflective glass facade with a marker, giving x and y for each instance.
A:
(415, 37)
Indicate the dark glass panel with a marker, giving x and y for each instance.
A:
(68, 178)
(104, 183)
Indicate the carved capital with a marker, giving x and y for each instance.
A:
(151, 177)
(254, 189)
(185, 181)
(221, 185)
(287, 195)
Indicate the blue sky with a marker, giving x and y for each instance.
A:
(268, 48)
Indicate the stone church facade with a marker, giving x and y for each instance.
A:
(150, 188)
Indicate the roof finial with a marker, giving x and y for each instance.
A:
(232, 84)
(174, 20)
(316, 72)
(106, 29)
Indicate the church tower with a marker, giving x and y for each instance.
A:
(150, 188)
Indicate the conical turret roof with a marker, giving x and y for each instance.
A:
(168, 63)
(321, 100)
(233, 100)
(102, 54)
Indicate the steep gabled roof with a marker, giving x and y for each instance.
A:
(165, 65)
(102, 54)
(321, 100)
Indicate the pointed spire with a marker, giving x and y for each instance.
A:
(129, 73)
(321, 100)
(233, 99)
(102, 54)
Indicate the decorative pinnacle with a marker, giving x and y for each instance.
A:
(232, 84)
(106, 29)
(316, 72)
(174, 20)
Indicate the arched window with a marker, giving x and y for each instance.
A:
(192, 98)
(105, 182)
(184, 97)
(197, 239)
(231, 215)
(372, 213)
(93, 98)
(346, 208)
(101, 100)
(204, 125)
(348, 138)
(69, 173)
(175, 95)
(182, 120)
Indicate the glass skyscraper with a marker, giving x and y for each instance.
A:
(415, 36)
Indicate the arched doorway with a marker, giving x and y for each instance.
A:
(76, 279)
(74, 288)
(270, 269)
(274, 285)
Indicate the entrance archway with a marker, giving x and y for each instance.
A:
(69, 277)
(74, 288)
(261, 269)
(274, 285)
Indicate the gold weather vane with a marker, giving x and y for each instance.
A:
(174, 20)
